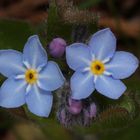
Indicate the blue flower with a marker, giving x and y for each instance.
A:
(31, 78)
(99, 67)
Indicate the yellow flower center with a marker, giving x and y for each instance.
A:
(97, 67)
(31, 76)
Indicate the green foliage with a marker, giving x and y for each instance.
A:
(14, 34)
(128, 133)
(6, 121)
(56, 26)
(88, 3)
(114, 117)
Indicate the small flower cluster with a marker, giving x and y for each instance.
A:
(31, 77)
(73, 112)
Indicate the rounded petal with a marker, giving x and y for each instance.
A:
(122, 65)
(11, 62)
(12, 93)
(103, 44)
(110, 87)
(39, 102)
(51, 77)
(34, 53)
(78, 56)
(82, 85)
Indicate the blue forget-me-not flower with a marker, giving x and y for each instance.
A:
(31, 78)
(99, 66)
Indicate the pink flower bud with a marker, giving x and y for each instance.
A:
(92, 111)
(57, 47)
(74, 106)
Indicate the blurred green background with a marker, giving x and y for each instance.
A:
(118, 120)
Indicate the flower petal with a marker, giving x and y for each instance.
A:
(39, 102)
(103, 44)
(34, 53)
(82, 85)
(51, 77)
(110, 87)
(12, 93)
(11, 62)
(122, 65)
(77, 56)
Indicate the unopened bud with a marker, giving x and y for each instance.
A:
(92, 111)
(57, 47)
(74, 106)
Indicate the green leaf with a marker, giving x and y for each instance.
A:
(128, 133)
(14, 34)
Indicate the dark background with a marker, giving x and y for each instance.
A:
(122, 16)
